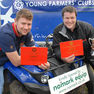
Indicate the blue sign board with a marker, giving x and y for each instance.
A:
(47, 13)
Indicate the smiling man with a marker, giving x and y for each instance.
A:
(12, 37)
(71, 29)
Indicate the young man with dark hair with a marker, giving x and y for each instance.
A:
(71, 29)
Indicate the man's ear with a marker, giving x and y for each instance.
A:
(15, 20)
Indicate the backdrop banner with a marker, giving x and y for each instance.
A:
(47, 13)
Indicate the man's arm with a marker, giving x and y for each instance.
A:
(14, 58)
(56, 47)
(7, 44)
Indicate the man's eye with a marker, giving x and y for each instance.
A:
(66, 18)
(23, 23)
(72, 18)
(29, 24)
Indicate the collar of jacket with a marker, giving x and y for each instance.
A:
(64, 30)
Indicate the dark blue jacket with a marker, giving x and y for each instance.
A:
(10, 42)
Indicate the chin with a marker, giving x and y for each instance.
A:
(25, 34)
(69, 27)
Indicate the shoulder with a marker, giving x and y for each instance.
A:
(58, 28)
(6, 32)
(84, 24)
(7, 28)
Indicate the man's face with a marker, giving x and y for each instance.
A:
(23, 26)
(69, 20)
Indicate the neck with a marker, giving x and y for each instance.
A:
(72, 30)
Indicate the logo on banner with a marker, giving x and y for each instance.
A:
(18, 4)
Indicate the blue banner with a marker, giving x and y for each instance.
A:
(54, 5)
(47, 13)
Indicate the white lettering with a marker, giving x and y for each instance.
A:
(36, 4)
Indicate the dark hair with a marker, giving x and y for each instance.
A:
(69, 9)
(24, 13)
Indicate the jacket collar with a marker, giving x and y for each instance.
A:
(64, 30)
(15, 30)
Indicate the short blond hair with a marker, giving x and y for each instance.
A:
(24, 13)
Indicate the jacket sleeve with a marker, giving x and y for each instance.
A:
(88, 29)
(89, 33)
(91, 29)
(56, 46)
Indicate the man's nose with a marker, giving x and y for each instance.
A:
(70, 20)
(26, 26)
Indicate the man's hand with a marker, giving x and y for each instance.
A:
(44, 66)
(69, 59)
